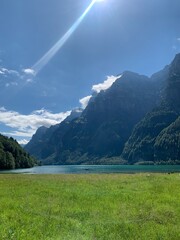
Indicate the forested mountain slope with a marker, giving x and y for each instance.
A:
(157, 137)
(12, 155)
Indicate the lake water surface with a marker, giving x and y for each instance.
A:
(85, 169)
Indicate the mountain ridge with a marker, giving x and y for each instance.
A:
(150, 139)
(116, 118)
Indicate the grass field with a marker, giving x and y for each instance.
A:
(139, 206)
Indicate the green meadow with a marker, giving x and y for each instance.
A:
(102, 206)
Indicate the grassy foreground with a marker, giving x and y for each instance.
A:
(139, 206)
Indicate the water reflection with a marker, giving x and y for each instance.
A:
(86, 169)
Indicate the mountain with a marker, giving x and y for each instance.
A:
(136, 120)
(104, 126)
(43, 141)
(12, 155)
(38, 141)
(156, 138)
(172, 97)
(108, 120)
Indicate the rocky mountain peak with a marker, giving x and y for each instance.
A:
(175, 66)
(75, 113)
(41, 130)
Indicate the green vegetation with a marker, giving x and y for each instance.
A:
(12, 155)
(89, 207)
(168, 142)
(156, 138)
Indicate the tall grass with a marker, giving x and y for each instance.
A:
(139, 206)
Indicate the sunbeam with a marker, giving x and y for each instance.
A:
(57, 46)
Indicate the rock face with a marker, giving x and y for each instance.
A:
(157, 137)
(136, 119)
(172, 97)
(43, 142)
(108, 120)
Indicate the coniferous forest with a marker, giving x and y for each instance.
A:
(12, 155)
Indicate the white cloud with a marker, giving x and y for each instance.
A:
(12, 78)
(13, 72)
(4, 69)
(1, 72)
(106, 84)
(9, 77)
(84, 101)
(2, 109)
(9, 72)
(26, 125)
(29, 71)
(27, 134)
(97, 88)
(29, 80)
(11, 84)
(23, 141)
(12, 134)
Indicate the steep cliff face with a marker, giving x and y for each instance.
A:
(156, 138)
(107, 122)
(44, 141)
(172, 97)
(136, 119)
(37, 142)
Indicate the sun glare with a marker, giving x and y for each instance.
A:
(58, 45)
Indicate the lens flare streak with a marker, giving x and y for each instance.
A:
(58, 45)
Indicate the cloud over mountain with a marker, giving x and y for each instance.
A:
(106, 84)
(84, 101)
(25, 125)
(97, 88)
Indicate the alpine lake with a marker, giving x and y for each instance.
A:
(97, 169)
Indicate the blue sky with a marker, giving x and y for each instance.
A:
(116, 35)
